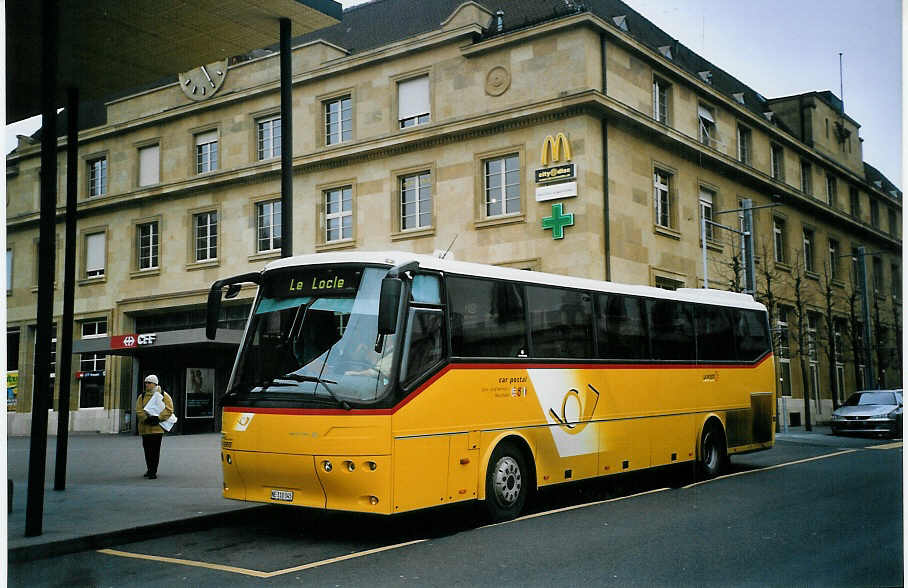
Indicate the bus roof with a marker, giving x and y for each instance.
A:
(392, 258)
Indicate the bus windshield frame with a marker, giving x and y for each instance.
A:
(312, 341)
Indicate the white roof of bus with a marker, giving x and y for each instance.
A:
(392, 258)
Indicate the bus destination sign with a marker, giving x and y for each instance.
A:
(316, 282)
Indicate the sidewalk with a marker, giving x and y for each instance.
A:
(107, 501)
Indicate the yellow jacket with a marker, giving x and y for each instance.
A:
(141, 401)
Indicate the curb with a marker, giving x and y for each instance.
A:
(113, 538)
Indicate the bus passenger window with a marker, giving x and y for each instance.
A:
(622, 327)
(488, 318)
(424, 345)
(426, 289)
(715, 338)
(671, 330)
(561, 322)
(751, 334)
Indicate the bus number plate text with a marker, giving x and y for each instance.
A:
(285, 495)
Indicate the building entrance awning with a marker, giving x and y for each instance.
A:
(134, 344)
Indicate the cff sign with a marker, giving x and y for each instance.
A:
(132, 341)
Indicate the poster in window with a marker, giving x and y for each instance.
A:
(12, 389)
(199, 393)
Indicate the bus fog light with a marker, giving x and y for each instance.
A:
(371, 465)
(327, 465)
(373, 500)
(229, 459)
(350, 466)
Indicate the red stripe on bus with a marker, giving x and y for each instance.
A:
(481, 366)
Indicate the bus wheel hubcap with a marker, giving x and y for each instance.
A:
(507, 481)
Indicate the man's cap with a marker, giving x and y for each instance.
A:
(152, 378)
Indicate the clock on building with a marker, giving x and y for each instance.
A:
(202, 82)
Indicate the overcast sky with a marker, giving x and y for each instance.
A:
(784, 47)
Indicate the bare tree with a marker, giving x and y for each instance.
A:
(800, 307)
(829, 298)
(856, 332)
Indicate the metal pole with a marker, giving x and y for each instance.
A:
(703, 245)
(286, 142)
(869, 374)
(64, 371)
(750, 282)
(37, 456)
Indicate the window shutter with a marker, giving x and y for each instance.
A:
(94, 252)
(413, 97)
(704, 113)
(208, 137)
(149, 165)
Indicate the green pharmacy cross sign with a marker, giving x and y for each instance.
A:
(558, 221)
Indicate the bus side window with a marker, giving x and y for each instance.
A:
(426, 289)
(561, 322)
(715, 337)
(622, 327)
(424, 346)
(751, 334)
(671, 330)
(491, 313)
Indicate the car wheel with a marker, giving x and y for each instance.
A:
(507, 483)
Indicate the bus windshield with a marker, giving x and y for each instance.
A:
(313, 338)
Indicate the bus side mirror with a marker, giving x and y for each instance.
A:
(388, 304)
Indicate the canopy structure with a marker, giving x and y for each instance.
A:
(109, 46)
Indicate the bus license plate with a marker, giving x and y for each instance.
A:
(285, 495)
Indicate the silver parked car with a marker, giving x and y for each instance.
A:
(870, 411)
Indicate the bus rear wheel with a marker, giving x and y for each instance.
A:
(712, 452)
(507, 483)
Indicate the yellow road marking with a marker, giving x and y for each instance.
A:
(255, 573)
(886, 445)
(773, 467)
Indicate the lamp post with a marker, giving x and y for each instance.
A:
(747, 242)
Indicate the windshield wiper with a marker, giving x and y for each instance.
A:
(318, 380)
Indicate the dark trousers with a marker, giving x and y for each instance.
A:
(152, 446)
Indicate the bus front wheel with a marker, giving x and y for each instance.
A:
(506, 483)
(712, 451)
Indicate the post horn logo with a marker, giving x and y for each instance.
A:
(553, 148)
(576, 410)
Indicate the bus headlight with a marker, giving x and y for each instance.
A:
(351, 466)
(327, 465)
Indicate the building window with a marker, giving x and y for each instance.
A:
(415, 201)
(662, 198)
(893, 223)
(95, 254)
(874, 213)
(9, 270)
(661, 97)
(806, 177)
(783, 351)
(855, 268)
(149, 165)
(834, 259)
(855, 199)
(97, 176)
(338, 120)
(268, 141)
(777, 162)
(706, 210)
(832, 196)
(779, 244)
(809, 264)
(92, 367)
(148, 241)
(206, 152)
(667, 283)
(744, 145)
(877, 275)
(707, 117)
(502, 185)
(338, 214)
(206, 235)
(268, 226)
(413, 102)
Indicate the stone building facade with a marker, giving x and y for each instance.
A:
(431, 134)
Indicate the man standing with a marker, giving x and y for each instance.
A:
(149, 425)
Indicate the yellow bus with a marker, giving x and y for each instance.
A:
(386, 382)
